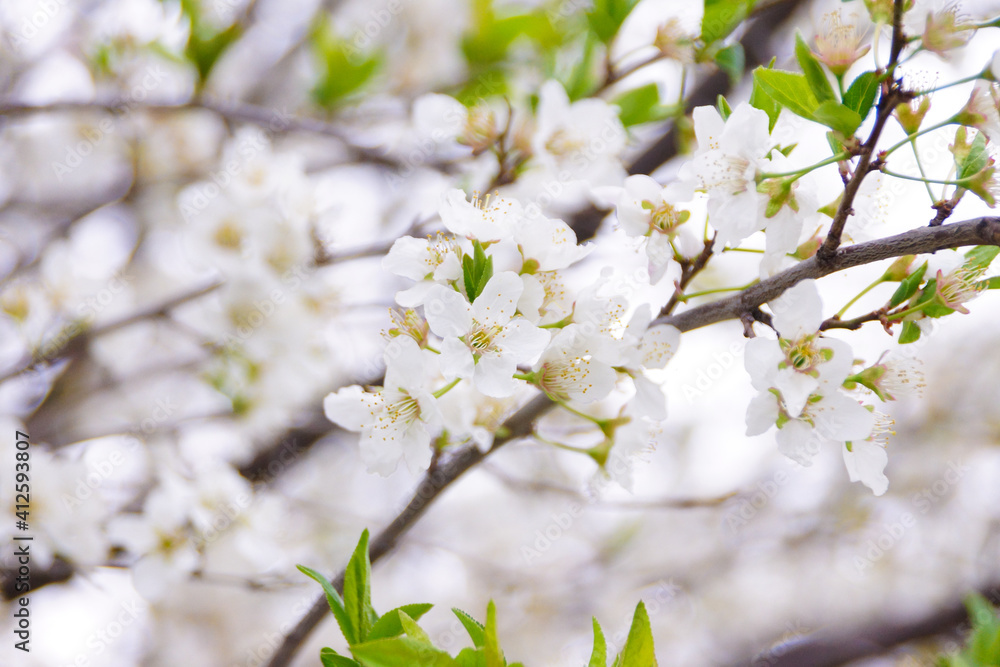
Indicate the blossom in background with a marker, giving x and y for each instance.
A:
(839, 43)
(395, 422)
(655, 347)
(488, 219)
(579, 141)
(981, 110)
(866, 459)
(484, 341)
(656, 213)
(730, 155)
(800, 363)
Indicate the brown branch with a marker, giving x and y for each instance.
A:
(979, 231)
(890, 97)
(689, 269)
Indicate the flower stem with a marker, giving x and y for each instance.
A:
(448, 387)
(961, 182)
(805, 170)
(887, 152)
(840, 313)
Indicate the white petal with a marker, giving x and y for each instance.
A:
(498, 300)
(532, 298)
(448, 313)
(381, 448)
(352, 408)
(836, 370)
(659, 345)
(649, 401)
(761, 357)
(762, 413)
(798, 441)
(494, 375)
(416, 449)
(866, 463)
(840, 417)
(708, 127)
(523, 340)
(404, 364)
(409, 257)
(795, 388)
(799, 311)
(416, 295)
(456, 359)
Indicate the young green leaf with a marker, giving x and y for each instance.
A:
(910, 333)
(401, 652)
(723, 107)
(343, 69)
(732, 60)
(860, 95)
(639, 105)
(813, 71)
(475, 629)
(599, 656)
(607, 16)
(491, 645)
(389, 625)
(413, 630)
(789, 90)
(908, 287)
(837, 117)
(722, 16)
(357, 590)
(330, 658)
(759, 99)
(476, 271)
(638, 651)
(336, 603)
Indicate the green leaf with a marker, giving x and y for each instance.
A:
(471, 657)
(639, 105)
(491, 646)
(343, 68)
(813, 71)
(335, 602)
(607, 16)
(413, 630)
(638, 651)
(357, 590)
(722, 105)
(331, 658)
(759, 99)
(401, 652)
(476, 271)
(732, 60)
(599, 656)
(475, 629)
(206, 42)
(910, 333)
(908, 286)
(860, 95)
(837, 117)
(977, 158)
(981, 257)
(789, 90)
(389, 625)
(721, 18)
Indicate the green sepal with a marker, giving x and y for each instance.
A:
(908, 286)
(910, 333)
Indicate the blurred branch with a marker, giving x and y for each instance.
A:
(277, 121)
(871, 639)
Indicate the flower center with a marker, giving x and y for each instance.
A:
(481, 337)
(563, 143)
(665, 219)
(803, 354)
(406, 409)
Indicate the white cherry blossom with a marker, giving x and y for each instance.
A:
(484, 341)
(397, 421)
(730, 155)
(656, 213)
(568, 368)
(427, 261)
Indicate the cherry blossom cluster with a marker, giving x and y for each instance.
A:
(488, 315)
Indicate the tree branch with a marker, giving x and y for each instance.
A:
(979, 231)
